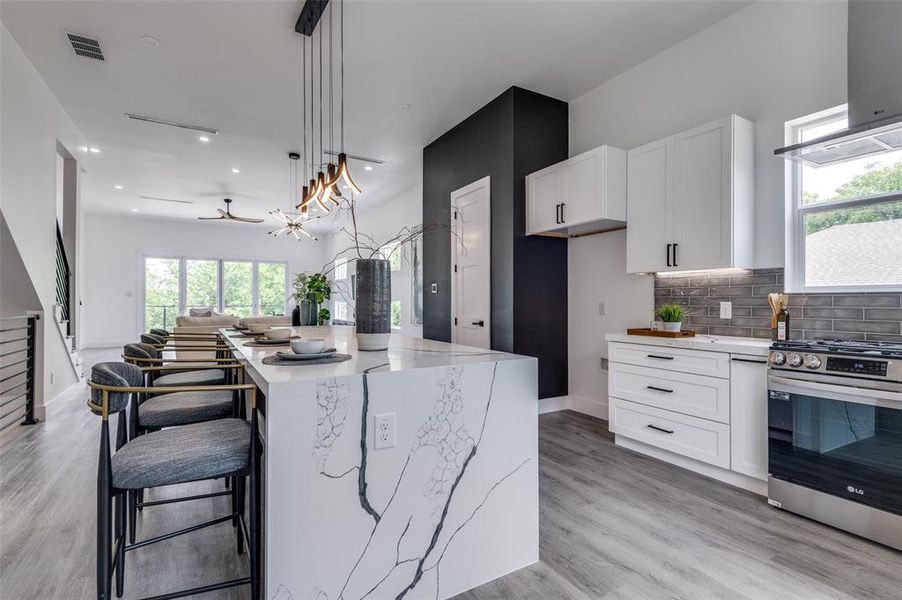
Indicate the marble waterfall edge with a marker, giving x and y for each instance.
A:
(454, 504)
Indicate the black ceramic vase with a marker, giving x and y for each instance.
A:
(373, 306)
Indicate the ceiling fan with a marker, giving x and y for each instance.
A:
(227, 215)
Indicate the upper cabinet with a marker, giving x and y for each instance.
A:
(690, 199)
(584, 193)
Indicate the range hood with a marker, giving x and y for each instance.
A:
(874, 87)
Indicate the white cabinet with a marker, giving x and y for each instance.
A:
(748, 408)
(587, 191)
(690, 199)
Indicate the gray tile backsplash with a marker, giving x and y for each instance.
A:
(876, 316)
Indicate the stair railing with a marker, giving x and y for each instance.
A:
(18, 343)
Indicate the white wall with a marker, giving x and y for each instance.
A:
(382, 223)
(769, 62)
(114, 248)
(32, 123)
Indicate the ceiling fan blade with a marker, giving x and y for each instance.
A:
(246, 220)
(210, 218)
(224, 213)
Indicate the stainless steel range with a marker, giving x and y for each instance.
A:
(835, 434)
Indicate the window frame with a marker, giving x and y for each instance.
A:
(183, 282)
(794, 239)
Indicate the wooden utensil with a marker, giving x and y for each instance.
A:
(775, 301)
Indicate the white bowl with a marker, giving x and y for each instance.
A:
(277, 333)
(308, 346)
(258, 327)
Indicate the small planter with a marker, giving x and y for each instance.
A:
(673, 327)
(373, 306)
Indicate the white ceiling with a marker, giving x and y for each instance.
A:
(234, 66)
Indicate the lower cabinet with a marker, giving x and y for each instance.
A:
(712, 420)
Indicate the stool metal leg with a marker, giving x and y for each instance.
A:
(240, 487)
(132, 515)
(104, 510)
(120, 543)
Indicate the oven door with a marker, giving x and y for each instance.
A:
(838, 439)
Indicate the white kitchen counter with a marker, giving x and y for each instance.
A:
(451, 503)
(713, 343)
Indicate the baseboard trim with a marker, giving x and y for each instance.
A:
(594, 407)
(548, 405)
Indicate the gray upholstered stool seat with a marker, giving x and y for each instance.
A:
(205, 377)
(184, 408)
(181, 454)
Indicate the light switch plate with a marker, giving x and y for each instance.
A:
(726, 310)
(602, 309)
(434, 288)
(385, 431)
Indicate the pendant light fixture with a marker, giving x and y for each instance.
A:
(342, 169)
(292, 223)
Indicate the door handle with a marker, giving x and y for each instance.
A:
(659, 356)
(563, 204)
(749, 360)
(661, 429)
(674, 254)
(479, 323)
(557, 213)
(658, 389)
(668, 255)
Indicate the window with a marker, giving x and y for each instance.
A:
(392, 253)
(396, 314)
(341, 311)
(174, 285)
(845, 227)
(341, 268)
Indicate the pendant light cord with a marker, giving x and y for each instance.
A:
(331, 86)
(341, 42)
(304, 95)
(320, 98)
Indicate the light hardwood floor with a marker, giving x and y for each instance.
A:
(614, 525)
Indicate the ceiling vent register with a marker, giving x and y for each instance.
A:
(85, 46)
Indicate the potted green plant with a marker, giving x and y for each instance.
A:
(671, 315)
(301, 313)
(324, 316)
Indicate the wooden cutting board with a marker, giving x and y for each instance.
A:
(659, 333)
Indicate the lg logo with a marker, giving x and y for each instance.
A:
(854, 490)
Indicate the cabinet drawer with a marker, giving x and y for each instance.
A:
(696, 395)
(697, 362)
(692, 437)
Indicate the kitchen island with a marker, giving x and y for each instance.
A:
(451, 503)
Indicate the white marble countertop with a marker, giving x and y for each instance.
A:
(404, 353)
(713, 343)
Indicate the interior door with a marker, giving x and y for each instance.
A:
(544, 195)
(471, 264)
(579, 189)
(702, 196)
(649, 193)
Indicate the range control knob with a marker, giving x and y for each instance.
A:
(795, 360)
(777, 358)
(812, 362)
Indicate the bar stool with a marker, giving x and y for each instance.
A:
(194, 372)
(194, 452)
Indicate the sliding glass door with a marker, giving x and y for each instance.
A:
(161, 292)
(174, 286)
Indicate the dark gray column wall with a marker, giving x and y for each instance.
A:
(515, 134)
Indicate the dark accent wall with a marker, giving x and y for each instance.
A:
(513, 135)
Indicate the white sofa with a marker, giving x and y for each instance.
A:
(187, 325)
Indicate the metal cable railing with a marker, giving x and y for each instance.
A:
(63, 276)
(17, 378)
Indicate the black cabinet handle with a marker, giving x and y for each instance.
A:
(563, 204)
(657, 389)
(661, 429)
(557, 213)
(479, 323)
(659, 356)
(675, 263)
(668, 255)
(749, 360)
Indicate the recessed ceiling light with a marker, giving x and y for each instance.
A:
(150, 40)
(134, 210)
(118, 187)
(204, 138)
(234, 170)
(405, 106)
(95, 150)
(368, 168)
(83, 148)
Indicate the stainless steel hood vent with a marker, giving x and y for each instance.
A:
(874, 88)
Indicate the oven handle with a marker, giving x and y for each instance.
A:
(855, 395)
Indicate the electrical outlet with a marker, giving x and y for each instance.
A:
(726, 310)
(52, 377)
(385, 431)
(434, 288)
(604, 364)
(602, 309)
